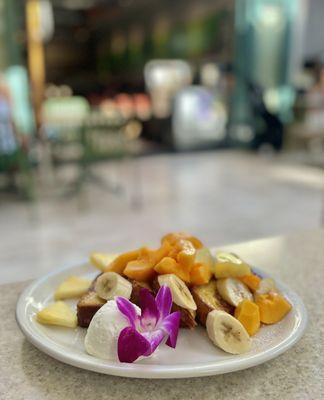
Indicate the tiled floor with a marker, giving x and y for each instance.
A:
(222, 197)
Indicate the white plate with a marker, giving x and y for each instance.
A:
(194, 356)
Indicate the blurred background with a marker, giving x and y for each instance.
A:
(121, 120)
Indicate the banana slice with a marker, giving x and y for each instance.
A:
(110, 284)
(181, 295)
(227, 332)
(233, 291)
(102, 260)
(265, 286)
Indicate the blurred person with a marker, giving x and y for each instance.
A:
(16, 77)
(273, 127)
(315, 97)
(12, 145)
(8, 137)
(314, 102)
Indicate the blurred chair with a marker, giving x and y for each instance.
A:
(63, 119)
(22, 114)
(78, 135)
(14, 155)
(102, 139)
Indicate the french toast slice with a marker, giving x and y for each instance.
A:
(208, 299)
(90, 302)
(87, 306)
(137, 286)
(187, 317)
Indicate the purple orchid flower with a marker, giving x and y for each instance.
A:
(147, 331)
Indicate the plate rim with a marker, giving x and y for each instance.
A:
(155, 371)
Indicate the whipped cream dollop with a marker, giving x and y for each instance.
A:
(104, 329)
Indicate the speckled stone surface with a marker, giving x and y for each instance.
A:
(298, 260)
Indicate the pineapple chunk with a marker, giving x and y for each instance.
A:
(59, 314)
(102, 260)
(73, 286)
(229, 265)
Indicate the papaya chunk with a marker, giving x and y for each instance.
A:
(273, 307)
(140, 270)
(119, 263)
(248, 313)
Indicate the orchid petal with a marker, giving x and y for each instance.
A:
(164, 301)
(150, 313)
(131, 345)
(154, 338)
(127, 309)
(170, 325)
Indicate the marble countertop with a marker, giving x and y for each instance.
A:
(298, 260)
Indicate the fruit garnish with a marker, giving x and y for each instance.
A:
(181, 295)
(110, 284)
(154, 256)
(266, 285)
(201, 272)
(204, 256)
(169, 265)
(229, 265)
(72, 287)
(141, 270)
(247, 312)
(252, 281)
(273, 307)
(233, 291)
(59, 314)
(172, 238)
(146, 331)
(119, 263)
(185, 254)
(101, 260)
(227, 332)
